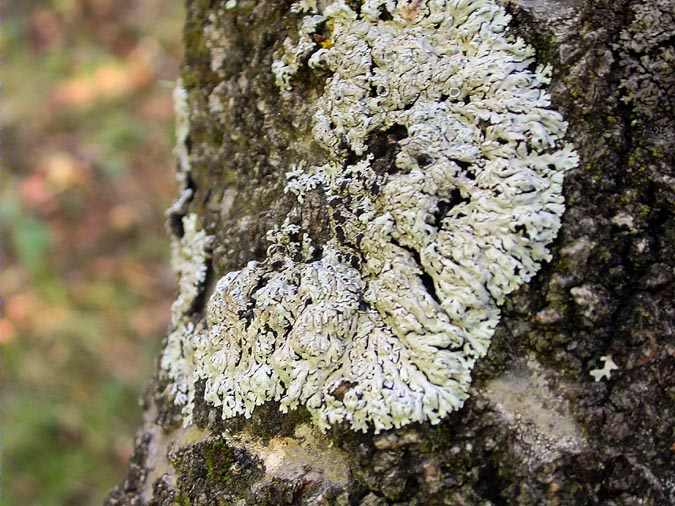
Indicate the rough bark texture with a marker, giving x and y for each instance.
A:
(537, 428)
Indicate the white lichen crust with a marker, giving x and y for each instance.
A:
(189, 256)
(384, 328)
(605, 371)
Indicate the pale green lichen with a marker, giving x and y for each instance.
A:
(189, 256)
(294, 53)
(605, 371)
(385, 327)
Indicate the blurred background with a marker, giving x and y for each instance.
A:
(86, 171)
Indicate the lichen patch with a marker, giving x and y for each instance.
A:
(189, 257)
(443, 172)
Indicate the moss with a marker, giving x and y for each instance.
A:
(218, 462)
(197, 56)
(214, 471)
(183, 500)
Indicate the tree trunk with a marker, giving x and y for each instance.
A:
(547, 419)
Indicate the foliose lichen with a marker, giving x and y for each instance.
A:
(189, 256)
(382, 325)
(606, 370)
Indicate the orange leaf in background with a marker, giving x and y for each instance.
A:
(19, 307)
(34, 192)
(7, 331)
(122, 217)
(63, 171)
(108, 81)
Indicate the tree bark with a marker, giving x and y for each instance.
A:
(537, 427)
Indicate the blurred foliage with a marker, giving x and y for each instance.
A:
(86, 172)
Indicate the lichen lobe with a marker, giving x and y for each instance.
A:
(383, 326)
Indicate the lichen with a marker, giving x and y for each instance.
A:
(294, 53)
(383, 324)
(189, 256)
(605, 371)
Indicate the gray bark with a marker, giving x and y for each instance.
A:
(537, 429)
